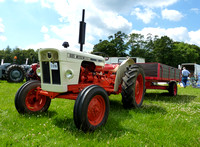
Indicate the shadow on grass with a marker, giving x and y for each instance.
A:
(48, 114)
(114, 126)
(167, 98)
(150, 109)
(65, 123)
(111, 129)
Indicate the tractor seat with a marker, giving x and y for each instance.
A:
(111, 67)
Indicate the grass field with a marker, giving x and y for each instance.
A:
(162, 121)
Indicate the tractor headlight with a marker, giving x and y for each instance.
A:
(69, 74)
(38, 71)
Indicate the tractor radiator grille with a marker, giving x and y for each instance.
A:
(56, 75)
(46, 73)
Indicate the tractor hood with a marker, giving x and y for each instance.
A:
(66, 55)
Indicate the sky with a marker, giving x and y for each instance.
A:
(48, 23)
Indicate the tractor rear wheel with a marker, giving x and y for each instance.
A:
(27, 100)
(15, 73)
(173, 88)
(133, 87)
(91, 108)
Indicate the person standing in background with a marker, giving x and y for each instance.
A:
(185, 75)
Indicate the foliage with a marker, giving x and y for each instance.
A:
(152, 48)
(136, 43)
(8, 55)
(186, 53)
(161, 121)
(163, 50)
(115, 46)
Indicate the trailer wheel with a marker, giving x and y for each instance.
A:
(15, 73)
(91, 108)
(133, 87)
(173, 89)
(27, 101)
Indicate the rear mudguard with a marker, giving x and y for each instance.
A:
(121, 71)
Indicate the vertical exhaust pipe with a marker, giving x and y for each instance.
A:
(2, 61)
(82, 31)
(26, 63)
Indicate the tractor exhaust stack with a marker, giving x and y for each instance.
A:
(82, 31)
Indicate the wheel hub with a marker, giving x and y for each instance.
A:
(15, 73)
(96, 110)
(139, 88)
(34, 103)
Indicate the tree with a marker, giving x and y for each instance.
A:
(152, 48)
(115, 46)
(137, 45)
(197, 49)
(150, 57)
(8, 55)
(185, 53)
(163, 51)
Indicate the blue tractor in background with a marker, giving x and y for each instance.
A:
(13, 72)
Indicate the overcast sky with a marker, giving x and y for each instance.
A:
(48, 23)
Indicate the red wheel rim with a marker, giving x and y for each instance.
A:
(175, 89)
(139, 88)
(34, 103)
(96, 110)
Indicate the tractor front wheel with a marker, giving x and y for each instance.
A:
(133, 87)
(28, 101)
(91, 108)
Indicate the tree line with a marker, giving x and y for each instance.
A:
(8, 55)
(152, 48)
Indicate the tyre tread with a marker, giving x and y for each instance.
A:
(128, 82)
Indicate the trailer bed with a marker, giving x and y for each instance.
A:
(157, 72)
(160, 72)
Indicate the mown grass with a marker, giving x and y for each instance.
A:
(162, 121)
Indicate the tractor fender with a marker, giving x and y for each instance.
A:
(121, 72)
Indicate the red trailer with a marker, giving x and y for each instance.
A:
(157, 72)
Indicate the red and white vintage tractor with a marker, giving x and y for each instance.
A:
(85, 78)
(82, 77)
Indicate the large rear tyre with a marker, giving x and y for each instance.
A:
(173, 89)
(133, 87)
(27, 100)
(91, 108)
(15, 73)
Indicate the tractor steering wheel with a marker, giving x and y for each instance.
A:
(106, 57)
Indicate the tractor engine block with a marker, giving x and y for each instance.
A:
(95, 75)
